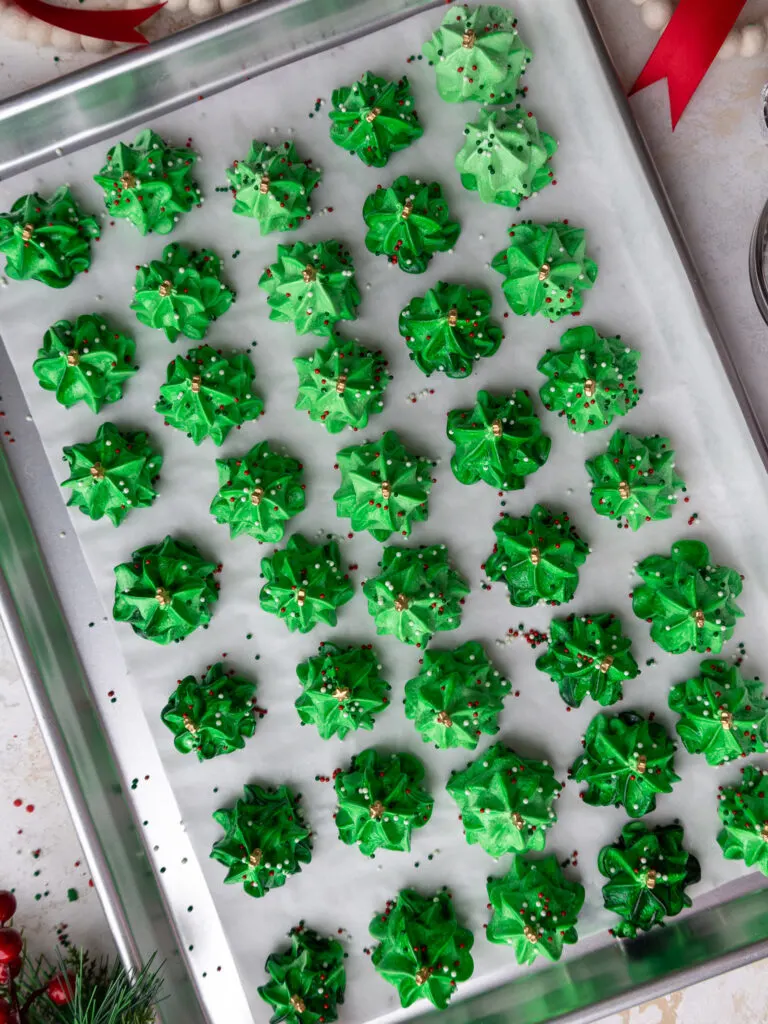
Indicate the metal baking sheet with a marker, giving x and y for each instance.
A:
(602, 185)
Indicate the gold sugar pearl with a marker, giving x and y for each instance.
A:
(443, 718)
(764, 832)
(407, 209)
(497, 428)
(309, 274)
(386, 490)
(469, 39)
(301, 597)
(27, 232)
(73, 358)
(264, 184)
(642, 764)
(97, 471)
(256, 495)
(165, 289)
(453, 316)
(401, 603)
(341, 384)
(698, 617)
(624, 491)
(531, 934)
(518, 821)
(255, 858)
(189, 725)
(544, 271)
(163, 597)
(298, 1004)
(650, 879)
(422, 975)
(590, 387)
(376, 810)
(372, 114)
(197, 380)
(535, 556)
(606, 663)
(726, 720)
(127, 180)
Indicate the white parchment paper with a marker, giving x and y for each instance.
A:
(641, 293)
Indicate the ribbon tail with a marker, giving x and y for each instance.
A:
(687, 48)
(116, 26)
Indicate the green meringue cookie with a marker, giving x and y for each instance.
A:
(165, 592)
(408, 223)
(265, 841)
(213, 715)
(538, 557)
(384, 487)
(478, 54)
(342, 690)
(689, 602)
(341, 384)
(423, 950)
(588, 656)
(312, 287)
(381, 801)
(149, 183)
(722, 714)
(498, 441)
(535, 909)
(374, 118)
(546, 269)
(258, 493)
(648, 870)
(307, 982)
(506, 801)
(416, 594)
(208, 392)
(47, 240)
(449, 329)
(743, 810)
(635, 479)
(304, 584)
(456, 696)
(181, 293)
(505, 158)
(112, 474)
(85, 361)
(627, 760)
(274, 186)
(591, 379)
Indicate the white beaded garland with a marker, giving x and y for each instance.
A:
(748, 40)
(14, 23)
(730, 47)
(753, 40)
(64, 40)
(17, 24)
(656, 14)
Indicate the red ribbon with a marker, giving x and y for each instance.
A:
(117, 26)
(687, 48)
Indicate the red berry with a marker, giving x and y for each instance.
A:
(61, 989)
(7, 1015)
(7, 906)
(10, 969)
(10, 944)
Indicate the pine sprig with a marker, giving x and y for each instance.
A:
(103, 992)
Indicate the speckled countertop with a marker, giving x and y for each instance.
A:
(715, 167)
